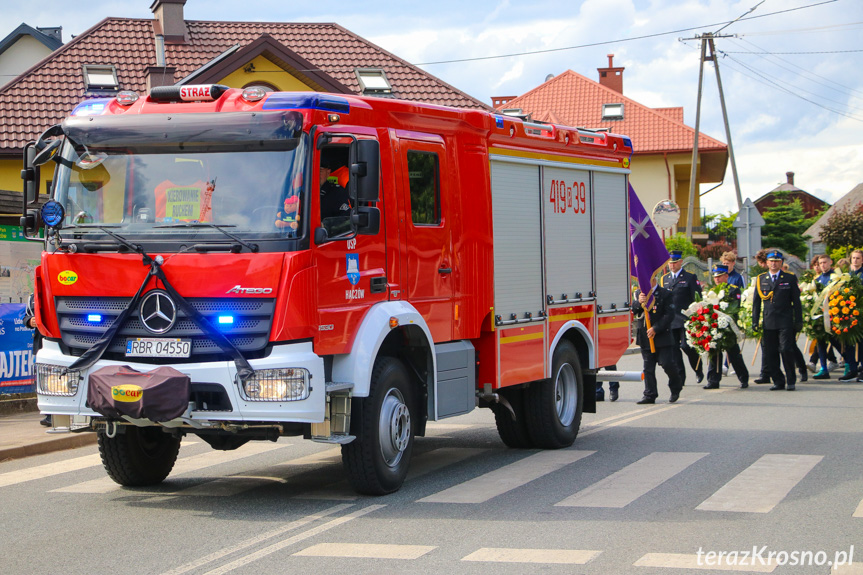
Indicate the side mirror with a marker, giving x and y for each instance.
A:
(368, 170)
(31, 176)
(48, 152)
(367, 221)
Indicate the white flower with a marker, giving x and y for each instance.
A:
(723, 322)
(723, 305)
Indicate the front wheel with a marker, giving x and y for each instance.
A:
(376, 462)
(138, 456)
(553, 407)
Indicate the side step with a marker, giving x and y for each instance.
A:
(337, 422)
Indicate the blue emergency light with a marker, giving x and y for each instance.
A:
(226, 320)
(94, 318)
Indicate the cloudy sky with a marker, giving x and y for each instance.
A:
(792, 73)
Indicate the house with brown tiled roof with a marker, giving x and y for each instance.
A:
(811, 205)
(663, 143)
(120, 54)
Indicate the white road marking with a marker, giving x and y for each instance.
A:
(270, 549)
(506, 478)
(183, 466)
(332, 455)
(564, 556)
(366, 551)
(681, 561)
(762, 485)
(255, 540)
(57, 468)
(625, 486)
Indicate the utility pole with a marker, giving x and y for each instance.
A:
(707, 42)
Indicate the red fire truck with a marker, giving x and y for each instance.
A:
(340, 268)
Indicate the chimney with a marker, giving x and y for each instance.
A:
(611, 77)
(55, 32)
(159, 76)
(169, 20)
(500, 101)
(790, 176)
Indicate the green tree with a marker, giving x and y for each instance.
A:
(679, 242)
(844, 228)
(720, 226)
(784, 225)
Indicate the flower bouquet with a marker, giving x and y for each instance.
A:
(842, 315)
(813, 315)
(711, 326)
(744, 318)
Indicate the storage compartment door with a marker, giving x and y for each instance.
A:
(612, 241)
(518, 290)
(568, 234)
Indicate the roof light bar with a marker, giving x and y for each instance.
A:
(197, 93)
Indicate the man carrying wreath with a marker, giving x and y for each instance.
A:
(731, 298)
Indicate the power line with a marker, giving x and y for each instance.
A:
(797, 53)
(846, 89)
(630, 39)
(768, 82)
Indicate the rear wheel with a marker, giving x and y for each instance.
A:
(139, 456)
(513, 432)
(376, 462)
(553, 407)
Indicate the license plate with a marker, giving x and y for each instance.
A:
(158, 347)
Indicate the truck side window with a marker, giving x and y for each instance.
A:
(335, 200)
(423, 175)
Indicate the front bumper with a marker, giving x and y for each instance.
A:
(223, 373)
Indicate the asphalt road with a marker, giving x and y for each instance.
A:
(642, 490)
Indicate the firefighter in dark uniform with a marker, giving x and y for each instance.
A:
(683, 287)
(661, 316)
(779, 295)
(714, 367)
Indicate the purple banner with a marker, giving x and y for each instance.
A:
(648, 255)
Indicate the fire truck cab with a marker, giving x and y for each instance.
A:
(340, 268)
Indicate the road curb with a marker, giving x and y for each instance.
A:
(25, 403)
(61, 443)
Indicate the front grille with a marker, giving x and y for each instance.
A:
(249, 333)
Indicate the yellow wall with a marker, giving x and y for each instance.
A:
(10, 176)
(650, 178)
(265, 71)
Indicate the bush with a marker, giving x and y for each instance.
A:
(679, 242)
(714, 250)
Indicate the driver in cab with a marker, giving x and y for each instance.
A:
(335, 200)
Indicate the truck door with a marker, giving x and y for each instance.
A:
(427, 247)
(351, 273)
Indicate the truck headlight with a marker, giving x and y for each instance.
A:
(285, 384)
(51, 380)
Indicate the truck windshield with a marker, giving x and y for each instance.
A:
(151, 189)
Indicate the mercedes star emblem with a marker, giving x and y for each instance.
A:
(158, 312)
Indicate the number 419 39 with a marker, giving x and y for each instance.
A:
(565, 198)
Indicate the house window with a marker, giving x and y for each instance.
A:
(373, 81)
(423, 175)
(100, 78)
(612, 111)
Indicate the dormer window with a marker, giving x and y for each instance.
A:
(373, 81)
(612, 111)
(100, 78)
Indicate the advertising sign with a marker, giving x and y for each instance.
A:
(16, 350)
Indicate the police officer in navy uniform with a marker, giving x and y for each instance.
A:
(661, 316)
(683, 287)
(778, 293)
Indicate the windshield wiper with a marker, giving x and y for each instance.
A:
(252, 247)
(105, 228)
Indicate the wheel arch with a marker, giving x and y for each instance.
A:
(577, 334)
(410, 342)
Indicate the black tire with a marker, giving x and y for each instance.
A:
(141, 456)
(376, 462)
(553, 407)
(513, 432)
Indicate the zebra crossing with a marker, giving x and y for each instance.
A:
(757, 488)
